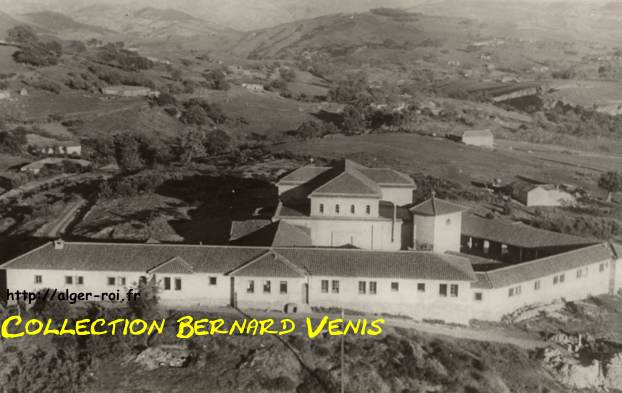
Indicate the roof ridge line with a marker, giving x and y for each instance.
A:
(547, 257)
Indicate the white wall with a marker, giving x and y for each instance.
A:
(275, 300)
(541, 197)
(371, 234)
(329, 203)
(406, 301)
(497, 302)
(442, 232)
(398, 195)
(195, 287)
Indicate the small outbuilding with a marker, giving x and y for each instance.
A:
(482, 138)
(541, 194)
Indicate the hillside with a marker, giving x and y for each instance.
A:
(62, 24)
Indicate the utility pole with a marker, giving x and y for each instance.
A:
(343, 386)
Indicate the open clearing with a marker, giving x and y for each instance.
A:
(451, 160)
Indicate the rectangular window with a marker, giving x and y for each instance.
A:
(324, 286)
(111, 280)
(80, 280)
(178, 284)
(337, 208)
(562, 277)
(555, 280)
(212, 281)
(283, 287)
(514, 291)
(68, 280)
(38, 279)
(372, 287)
(395, 286)
(536, 285)
(453, 290)
(250, 287)
(602, 267)
(368, 209)
(362, 287)
(442, 290)
(321, 208)
(511, 292)
(335, 286)
(167, 283)
(352, 209)
(517, 290)
(420, 287)
(266, 286)
(121, 280)
(142, 280)
(478, 296)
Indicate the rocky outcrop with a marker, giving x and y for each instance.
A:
(164, 356)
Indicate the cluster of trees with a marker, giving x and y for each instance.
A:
(46, 84)
(135, 184)
(314, 129)
(116, 55)
(351, 89)
(582, 225)
(12, 141)
(216, 80)
(611, 182)
(32, 50)
(114, 77)
(197, 111)
(580, 121)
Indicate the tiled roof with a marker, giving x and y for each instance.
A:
(388, 177)
(436, 207)
(351, 184)
(133, 257)
(270, 264)
(303, 174)
(359, 263)
(538, 268)
(516, 234)
(173, 265)
(243, 228)
(222, 259)
(277, 234)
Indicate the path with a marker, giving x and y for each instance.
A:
(57, 227)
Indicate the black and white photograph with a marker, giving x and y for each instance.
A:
(409, 196)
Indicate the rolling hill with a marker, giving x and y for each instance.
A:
(345, 34)
(62, 24)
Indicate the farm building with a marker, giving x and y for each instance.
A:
(130, 91)
(483, 138)
(51, 147)
(253, 86)
(530, 194)
(345, 236)
(37, 166)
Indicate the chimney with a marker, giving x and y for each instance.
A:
(59, 244)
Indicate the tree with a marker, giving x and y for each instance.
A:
(216, 80)
(191, 146)
(126, 152)
(22, 34)
(611, 182)
(194, 114)
(145, 304)
(217, 142)
(287, 74)
(353, 120)
(351, 89)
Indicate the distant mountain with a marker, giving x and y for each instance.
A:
(62, 25)
(147, 22)
(6, 22)
(346, 34)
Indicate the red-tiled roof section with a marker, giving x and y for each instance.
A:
(222, 259)
(277, 234)
(548, 266)
(436, 207)
(303, 174)
(517, 234)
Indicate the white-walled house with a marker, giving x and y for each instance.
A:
(530, 194)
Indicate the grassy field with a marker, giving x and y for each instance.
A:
(451, 160)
